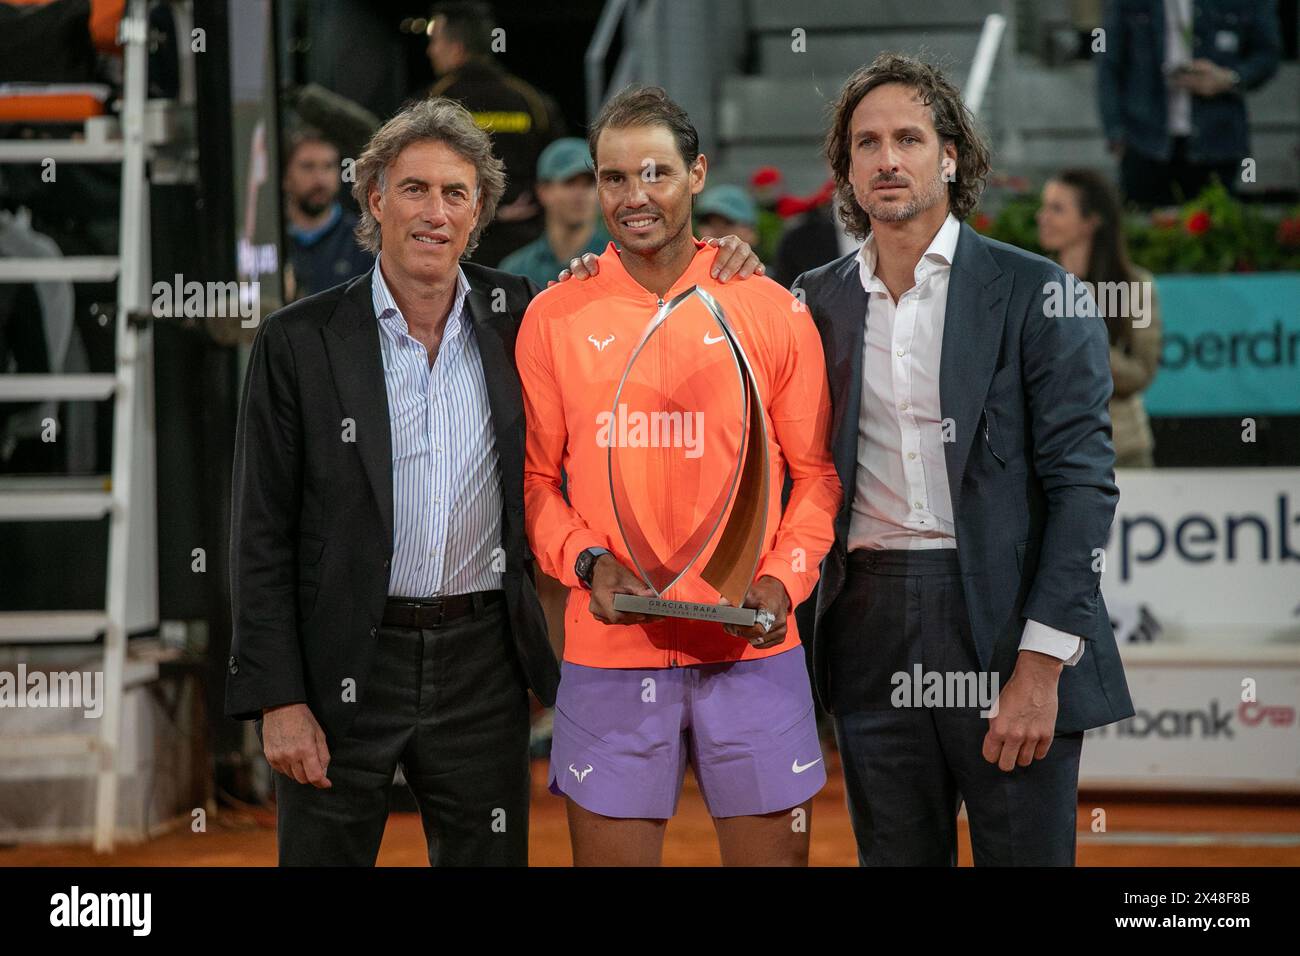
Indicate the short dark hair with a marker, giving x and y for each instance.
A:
(647, 106)
(468, 23)
(952, 121)
(300, 136)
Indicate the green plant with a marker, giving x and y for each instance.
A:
(1015, 223)
(1212, 232)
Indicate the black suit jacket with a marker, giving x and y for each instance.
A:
(312, 513)
(1030, 469)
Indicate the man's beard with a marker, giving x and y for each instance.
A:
(926, 198)
(313, 206)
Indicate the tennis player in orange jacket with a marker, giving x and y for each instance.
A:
(641, 696)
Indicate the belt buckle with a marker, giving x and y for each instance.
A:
(442, 612)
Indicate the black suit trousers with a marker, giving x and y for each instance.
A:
(449, 705)
(909, 762)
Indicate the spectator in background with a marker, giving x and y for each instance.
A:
(337, 119)
(726, 210)
(521, 119)
(1081, 223)
(322, 249)
(566, 188)
(812, 239)
(1170, 88)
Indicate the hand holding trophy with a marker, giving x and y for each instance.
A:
(766, 593)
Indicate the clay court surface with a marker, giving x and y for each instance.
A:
(1138, 833)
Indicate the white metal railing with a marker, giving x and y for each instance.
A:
(986, 52)
(617, 15)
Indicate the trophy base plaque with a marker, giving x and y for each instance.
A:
(721, 613)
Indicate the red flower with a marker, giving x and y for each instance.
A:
(1198, 222)
(982, 223)
(1288, 232)
(788, 206)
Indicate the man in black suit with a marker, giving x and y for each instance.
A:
(384, 607)
(383, 602)
(961, 640)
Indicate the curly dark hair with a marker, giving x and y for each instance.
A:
(952, 121)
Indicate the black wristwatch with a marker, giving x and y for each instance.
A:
(586, 564)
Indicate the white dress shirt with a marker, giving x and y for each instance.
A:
(447, 495)
(901, 497)
(1178, 18)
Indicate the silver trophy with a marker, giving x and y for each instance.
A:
(742, 499)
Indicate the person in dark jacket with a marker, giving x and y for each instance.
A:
(322, 248)
(521, 119)
(377, 549)
(971, 437)
(1171, 85)
(811, 241)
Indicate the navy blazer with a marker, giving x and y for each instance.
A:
(1241, 35)
(1031, 469)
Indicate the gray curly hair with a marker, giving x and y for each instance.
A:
(436, 118)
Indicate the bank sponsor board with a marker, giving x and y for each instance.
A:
(1229, 726)
(1208, 547)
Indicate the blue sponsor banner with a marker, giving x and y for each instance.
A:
(1231, 345)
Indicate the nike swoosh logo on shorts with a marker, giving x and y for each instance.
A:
(795, 768)
(709, 341)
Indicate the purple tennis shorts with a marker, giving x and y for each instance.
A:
(623, 735)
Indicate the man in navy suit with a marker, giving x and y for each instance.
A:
(1171, 89)
(961, 639)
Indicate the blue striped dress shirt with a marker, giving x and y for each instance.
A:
(446, 476)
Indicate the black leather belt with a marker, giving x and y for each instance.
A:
(905, 562)
(437, 612)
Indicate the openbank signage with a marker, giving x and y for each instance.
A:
(1202, 725)
(1208, 547)
(1231, 345)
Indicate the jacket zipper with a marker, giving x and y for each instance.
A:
(663, 379)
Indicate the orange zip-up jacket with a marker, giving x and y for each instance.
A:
(573, 346)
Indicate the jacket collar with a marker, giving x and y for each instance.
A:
(615, 277)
